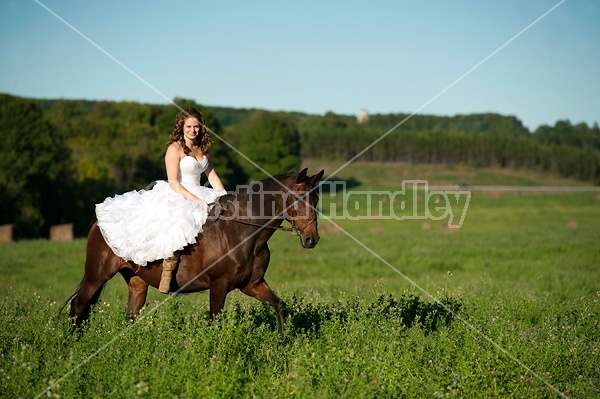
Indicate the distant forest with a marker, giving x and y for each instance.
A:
(60, 157)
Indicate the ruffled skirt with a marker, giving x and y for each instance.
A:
(148, 225)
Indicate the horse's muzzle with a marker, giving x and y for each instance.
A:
(309, 241)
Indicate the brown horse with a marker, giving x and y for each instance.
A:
(231, 252)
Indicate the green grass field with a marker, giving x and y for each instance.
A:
(506, 306)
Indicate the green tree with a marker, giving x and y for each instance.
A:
(34, 159)
(272, 141)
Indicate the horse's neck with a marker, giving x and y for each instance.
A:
(266, 207)
(260, 202)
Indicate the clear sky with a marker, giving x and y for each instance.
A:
(312, 56)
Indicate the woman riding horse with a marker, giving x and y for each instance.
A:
(232, 254)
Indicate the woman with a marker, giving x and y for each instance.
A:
(144, 226)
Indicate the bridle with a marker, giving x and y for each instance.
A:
(293, 229)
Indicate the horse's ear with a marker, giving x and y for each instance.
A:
(302, 175)
(317, 178)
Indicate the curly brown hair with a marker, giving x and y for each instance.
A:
(202, 140)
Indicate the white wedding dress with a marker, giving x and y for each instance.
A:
(148, 225)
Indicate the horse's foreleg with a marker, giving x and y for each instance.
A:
(138, 290)
(218, 292)
(262, 292)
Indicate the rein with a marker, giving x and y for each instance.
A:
(292, 229)
(295, 230)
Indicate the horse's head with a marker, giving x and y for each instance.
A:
(301, 207)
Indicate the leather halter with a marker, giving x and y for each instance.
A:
(294, 229)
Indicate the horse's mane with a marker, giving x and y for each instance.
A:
(275, 182)
(268, 184)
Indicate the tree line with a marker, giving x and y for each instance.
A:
(479, 140)
(58, 158)
(484, 140)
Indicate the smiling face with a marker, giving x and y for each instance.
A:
(191, 129)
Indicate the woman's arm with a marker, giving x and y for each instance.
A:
(172, 158)
(213, 177)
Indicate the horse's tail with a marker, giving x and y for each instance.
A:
(70, 299)
(81, 303)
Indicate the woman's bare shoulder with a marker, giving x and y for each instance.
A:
(174, 148)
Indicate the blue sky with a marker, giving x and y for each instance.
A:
(314, 57)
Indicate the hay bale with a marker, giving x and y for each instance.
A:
(61, 232)
(377, 229)
(6, 232)
(448, 229)
(328, 228)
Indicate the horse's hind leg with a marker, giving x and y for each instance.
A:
(101, 264)
(262, 292)
(138, 290)
(86, 297)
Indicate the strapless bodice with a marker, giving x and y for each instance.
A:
(190, 169)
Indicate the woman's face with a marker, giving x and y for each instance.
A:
(191, 128)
